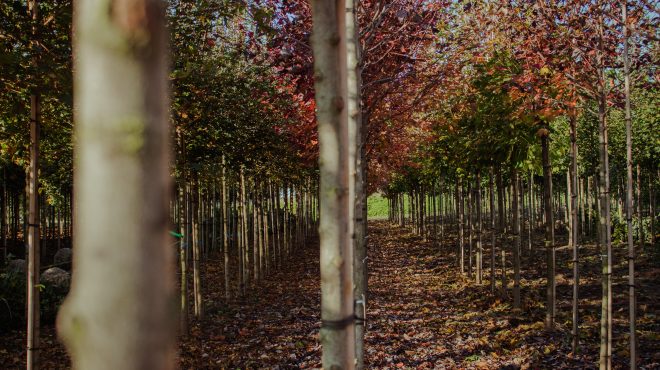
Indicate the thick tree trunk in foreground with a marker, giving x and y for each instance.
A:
(337, 307)
(120, 313)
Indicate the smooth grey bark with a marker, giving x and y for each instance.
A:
(652, 209)
(605, 358)
(196, 250)
(183, 245)
(500, 225)
(357, 180)
(640, 215)
(491, 189)
(516, 238)
(225, 228)
(33, 217)
(441, 205)
(470, 215)
(632, 300)
(530, 214)
(573, 208)
(549, 233)
(243, 271)
(479, 251)
(183, 257)
(434, 213)
(122, 168)
(33, 238)
(461, 237)
(330, 79)
(4, 209)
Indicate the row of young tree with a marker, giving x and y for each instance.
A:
(456, 92)
(539, 123)
(245, 187)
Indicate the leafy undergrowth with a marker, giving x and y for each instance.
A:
(422, 314)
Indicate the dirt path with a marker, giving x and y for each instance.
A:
(422, 314)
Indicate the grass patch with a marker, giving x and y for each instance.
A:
(377, 207)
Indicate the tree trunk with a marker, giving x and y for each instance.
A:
(183, 257)
(549, 233)
(461, 237)
(33, 231)
(479, 252)
(330, 70)
(287, 226)
(517, 242)
(441, 204)
(491, 190)
(122, 169)
(357, 171)
(196, 250)
(33, 237)
(470, 201)
(434, 211)
(183, 245)
(243, 235)
(605, 360)
(256, 239)
(500, 225)
(632, 300)
(640, 215)
(224, 207)
(3, 217)
(530, 215)
(651, 210)
(573, 208)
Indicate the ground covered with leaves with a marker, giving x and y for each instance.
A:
(422, 314)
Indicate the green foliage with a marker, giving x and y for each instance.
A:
(475, 129)
(227, 102)
(42, 67)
